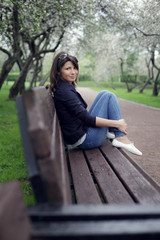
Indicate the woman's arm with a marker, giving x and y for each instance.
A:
(120, 124)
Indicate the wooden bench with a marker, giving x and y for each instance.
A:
(75, 190)
(14, 222)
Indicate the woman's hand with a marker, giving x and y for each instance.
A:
(122, 126)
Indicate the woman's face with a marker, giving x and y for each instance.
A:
(68, 72)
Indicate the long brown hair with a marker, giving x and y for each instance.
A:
(58, 62)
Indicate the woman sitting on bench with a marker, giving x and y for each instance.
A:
(81, 128)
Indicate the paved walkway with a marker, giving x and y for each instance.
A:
(143, 129)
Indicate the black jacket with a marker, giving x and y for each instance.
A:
(71, 110)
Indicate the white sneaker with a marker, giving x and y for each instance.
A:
(110, 135)
(129, 147)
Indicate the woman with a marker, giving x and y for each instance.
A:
(81, 128)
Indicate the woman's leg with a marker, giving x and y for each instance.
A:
(97, 99)
(105, 106)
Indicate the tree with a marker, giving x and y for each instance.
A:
(135, 19)
(150, 74)
(39, 27)
(156, 88)
(10, 38)
(126, 78)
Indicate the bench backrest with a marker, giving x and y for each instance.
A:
(43, 146)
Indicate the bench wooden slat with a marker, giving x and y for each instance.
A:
(44, 132)
(84, 186)
(31, 164)
(14, 221)
(112, 189)
(54, 170)
(100, 222)
(39, 123)
(142, 171)
(110, 230)
(136, 183)
(90, 212)
(28, 151)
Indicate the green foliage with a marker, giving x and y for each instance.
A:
(131, 60)
(142, 78)
(131, 79)
(12, 76)
(12, 164)
(86, 67)
(84, 77)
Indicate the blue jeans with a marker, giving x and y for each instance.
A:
(105, 106)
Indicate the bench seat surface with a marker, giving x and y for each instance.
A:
(110, 177)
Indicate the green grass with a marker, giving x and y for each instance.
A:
(121, 92)
(12, 164)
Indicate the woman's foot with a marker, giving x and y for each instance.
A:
(125, 143)
(123, 139)
(110, 135)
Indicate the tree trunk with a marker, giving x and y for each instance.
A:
(145, 84)
(42, 82)
(127, 81)
(6, 68)
(122, 73)
(155, 87)
(19, 84)
(8, 64)
(124, 77)
(37, 70)
(150, 75)
(155, 90)
(112, 84)
(35, 74)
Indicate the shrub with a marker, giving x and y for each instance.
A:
(12, 76)
(84, 77)
(140, 78)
